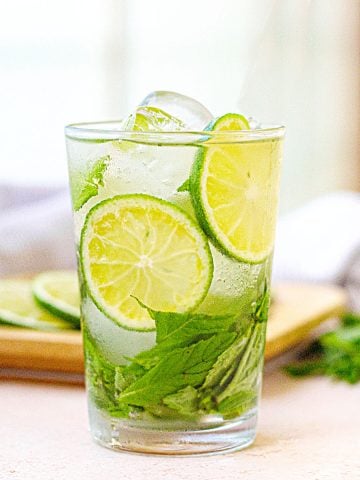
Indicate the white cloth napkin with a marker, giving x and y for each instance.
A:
(319, 242)
(36, 230)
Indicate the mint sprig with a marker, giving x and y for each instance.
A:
(335, 354)
(200, 364)
(85, 186)
(175, 330)
(183, 367)
(184, 401)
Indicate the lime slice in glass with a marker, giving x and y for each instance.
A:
(18, 308)
(234, 190)
(229, 121)
(58, 292)
(140, 247)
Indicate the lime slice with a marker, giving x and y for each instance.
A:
(152, 119)
(85, 186)
(18, 308)
(58, 292)
(234, 190)
(141, 247)
(229, 121)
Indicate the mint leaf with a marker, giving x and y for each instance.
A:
(184, 187)
(345, 339)
(237, 369)
(100, 374)
(247, 370)
(184, 401)
(149, 358)
(126, 375)
(101, 378)
(162, 411)
(304, 368)
(335, 354)
(174, 330)
(237, 404)
(83, 188)
(200, 364)
(178, 369)
(350, 319)
(226, 362)
(262, 304)
(223, 371)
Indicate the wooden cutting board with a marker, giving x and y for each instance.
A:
(296, 310)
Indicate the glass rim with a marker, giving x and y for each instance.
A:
(92, 131)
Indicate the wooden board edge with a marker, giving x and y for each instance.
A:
(62, 351)
(285, 342)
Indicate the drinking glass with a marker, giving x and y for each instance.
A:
(174, 236)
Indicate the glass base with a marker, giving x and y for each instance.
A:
(205, 439)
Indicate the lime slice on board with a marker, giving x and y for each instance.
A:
(58, 292)
(141, 247)
(152, 119)
(234, 190)
(18, 308)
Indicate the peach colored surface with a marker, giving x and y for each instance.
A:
(309, 430)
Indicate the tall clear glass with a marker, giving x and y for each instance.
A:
(174, 235)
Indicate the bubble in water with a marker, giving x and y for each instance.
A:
(191, 112)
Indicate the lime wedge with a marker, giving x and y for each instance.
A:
(229, 121)
(234, 190)
(18, 308)
(152, 119)
(141, 247)
(85, 186)
(58, 292)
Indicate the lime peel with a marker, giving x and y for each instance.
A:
(18, 308)
(58, 292)
(229, 121)
(137, 245)
(234, 193)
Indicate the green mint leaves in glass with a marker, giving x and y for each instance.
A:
(175, 215)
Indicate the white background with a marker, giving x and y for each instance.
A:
(294, 62)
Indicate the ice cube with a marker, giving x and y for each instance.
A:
(191, 112)
(114, 342)
(152, 119)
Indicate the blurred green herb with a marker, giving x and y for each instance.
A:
(335, 354)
